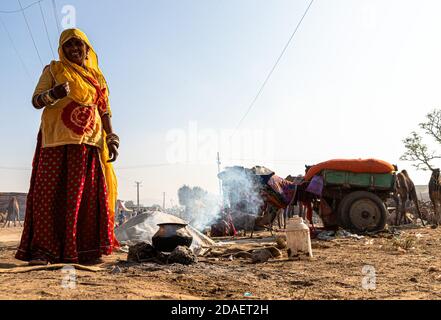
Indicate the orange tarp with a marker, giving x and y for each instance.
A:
(351, 165)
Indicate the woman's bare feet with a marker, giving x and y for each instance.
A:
(37, 262)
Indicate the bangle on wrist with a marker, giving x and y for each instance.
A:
(47, 98)
(112, 138)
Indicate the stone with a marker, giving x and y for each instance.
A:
(261, 255)
(141, 252)
(182, 255)
(281, 242)
(242, 255)
(274, 252)
(433, 269)
(116, 270)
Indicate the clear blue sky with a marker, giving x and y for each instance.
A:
(357, 78)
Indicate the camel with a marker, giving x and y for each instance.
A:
(2, 217)
(435, 195)
(290, 211)
(270, 214)
(13, 213)
(404, 190)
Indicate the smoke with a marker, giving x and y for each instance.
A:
(241, 195)
(201, 208)
(242, 190)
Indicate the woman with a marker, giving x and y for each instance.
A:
(70, 205)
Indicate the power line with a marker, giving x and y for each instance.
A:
(54, 7)
(20, 10)
(146, 166)
(142, 166)
(30, 33)
(45, 28)
(15, 49)
(265, 160)
(15, 168)
(272, 70)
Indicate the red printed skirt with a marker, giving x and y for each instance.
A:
(67, 212)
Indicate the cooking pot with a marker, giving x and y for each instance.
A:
(171, 235)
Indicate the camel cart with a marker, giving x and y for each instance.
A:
(353, 201)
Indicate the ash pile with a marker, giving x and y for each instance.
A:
(145, 252)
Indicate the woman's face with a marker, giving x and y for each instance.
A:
(75, 51)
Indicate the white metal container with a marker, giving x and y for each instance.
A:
(298, 239)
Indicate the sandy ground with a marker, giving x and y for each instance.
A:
(407, 266)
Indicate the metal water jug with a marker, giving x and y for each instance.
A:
(171, 235)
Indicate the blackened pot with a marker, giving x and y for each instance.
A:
(171, 235)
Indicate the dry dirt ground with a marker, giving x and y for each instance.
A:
(407, 266)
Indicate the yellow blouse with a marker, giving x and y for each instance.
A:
(67, 122)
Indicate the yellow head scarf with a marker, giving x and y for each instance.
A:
(83, 91)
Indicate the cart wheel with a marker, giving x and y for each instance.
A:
(342, 217)
(363, 211)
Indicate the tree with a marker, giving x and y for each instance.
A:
(129, 204)
(199, 193)
(184, 195)
(200, 207)
(416, 150)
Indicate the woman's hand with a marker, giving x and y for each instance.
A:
(113, 151)
(50, 97)
(60, 91)
(112, 141)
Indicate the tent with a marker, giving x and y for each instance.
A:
(121, 206)
(142, 228)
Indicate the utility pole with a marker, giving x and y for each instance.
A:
(218, 171)
(163, 201)
(138, 183)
